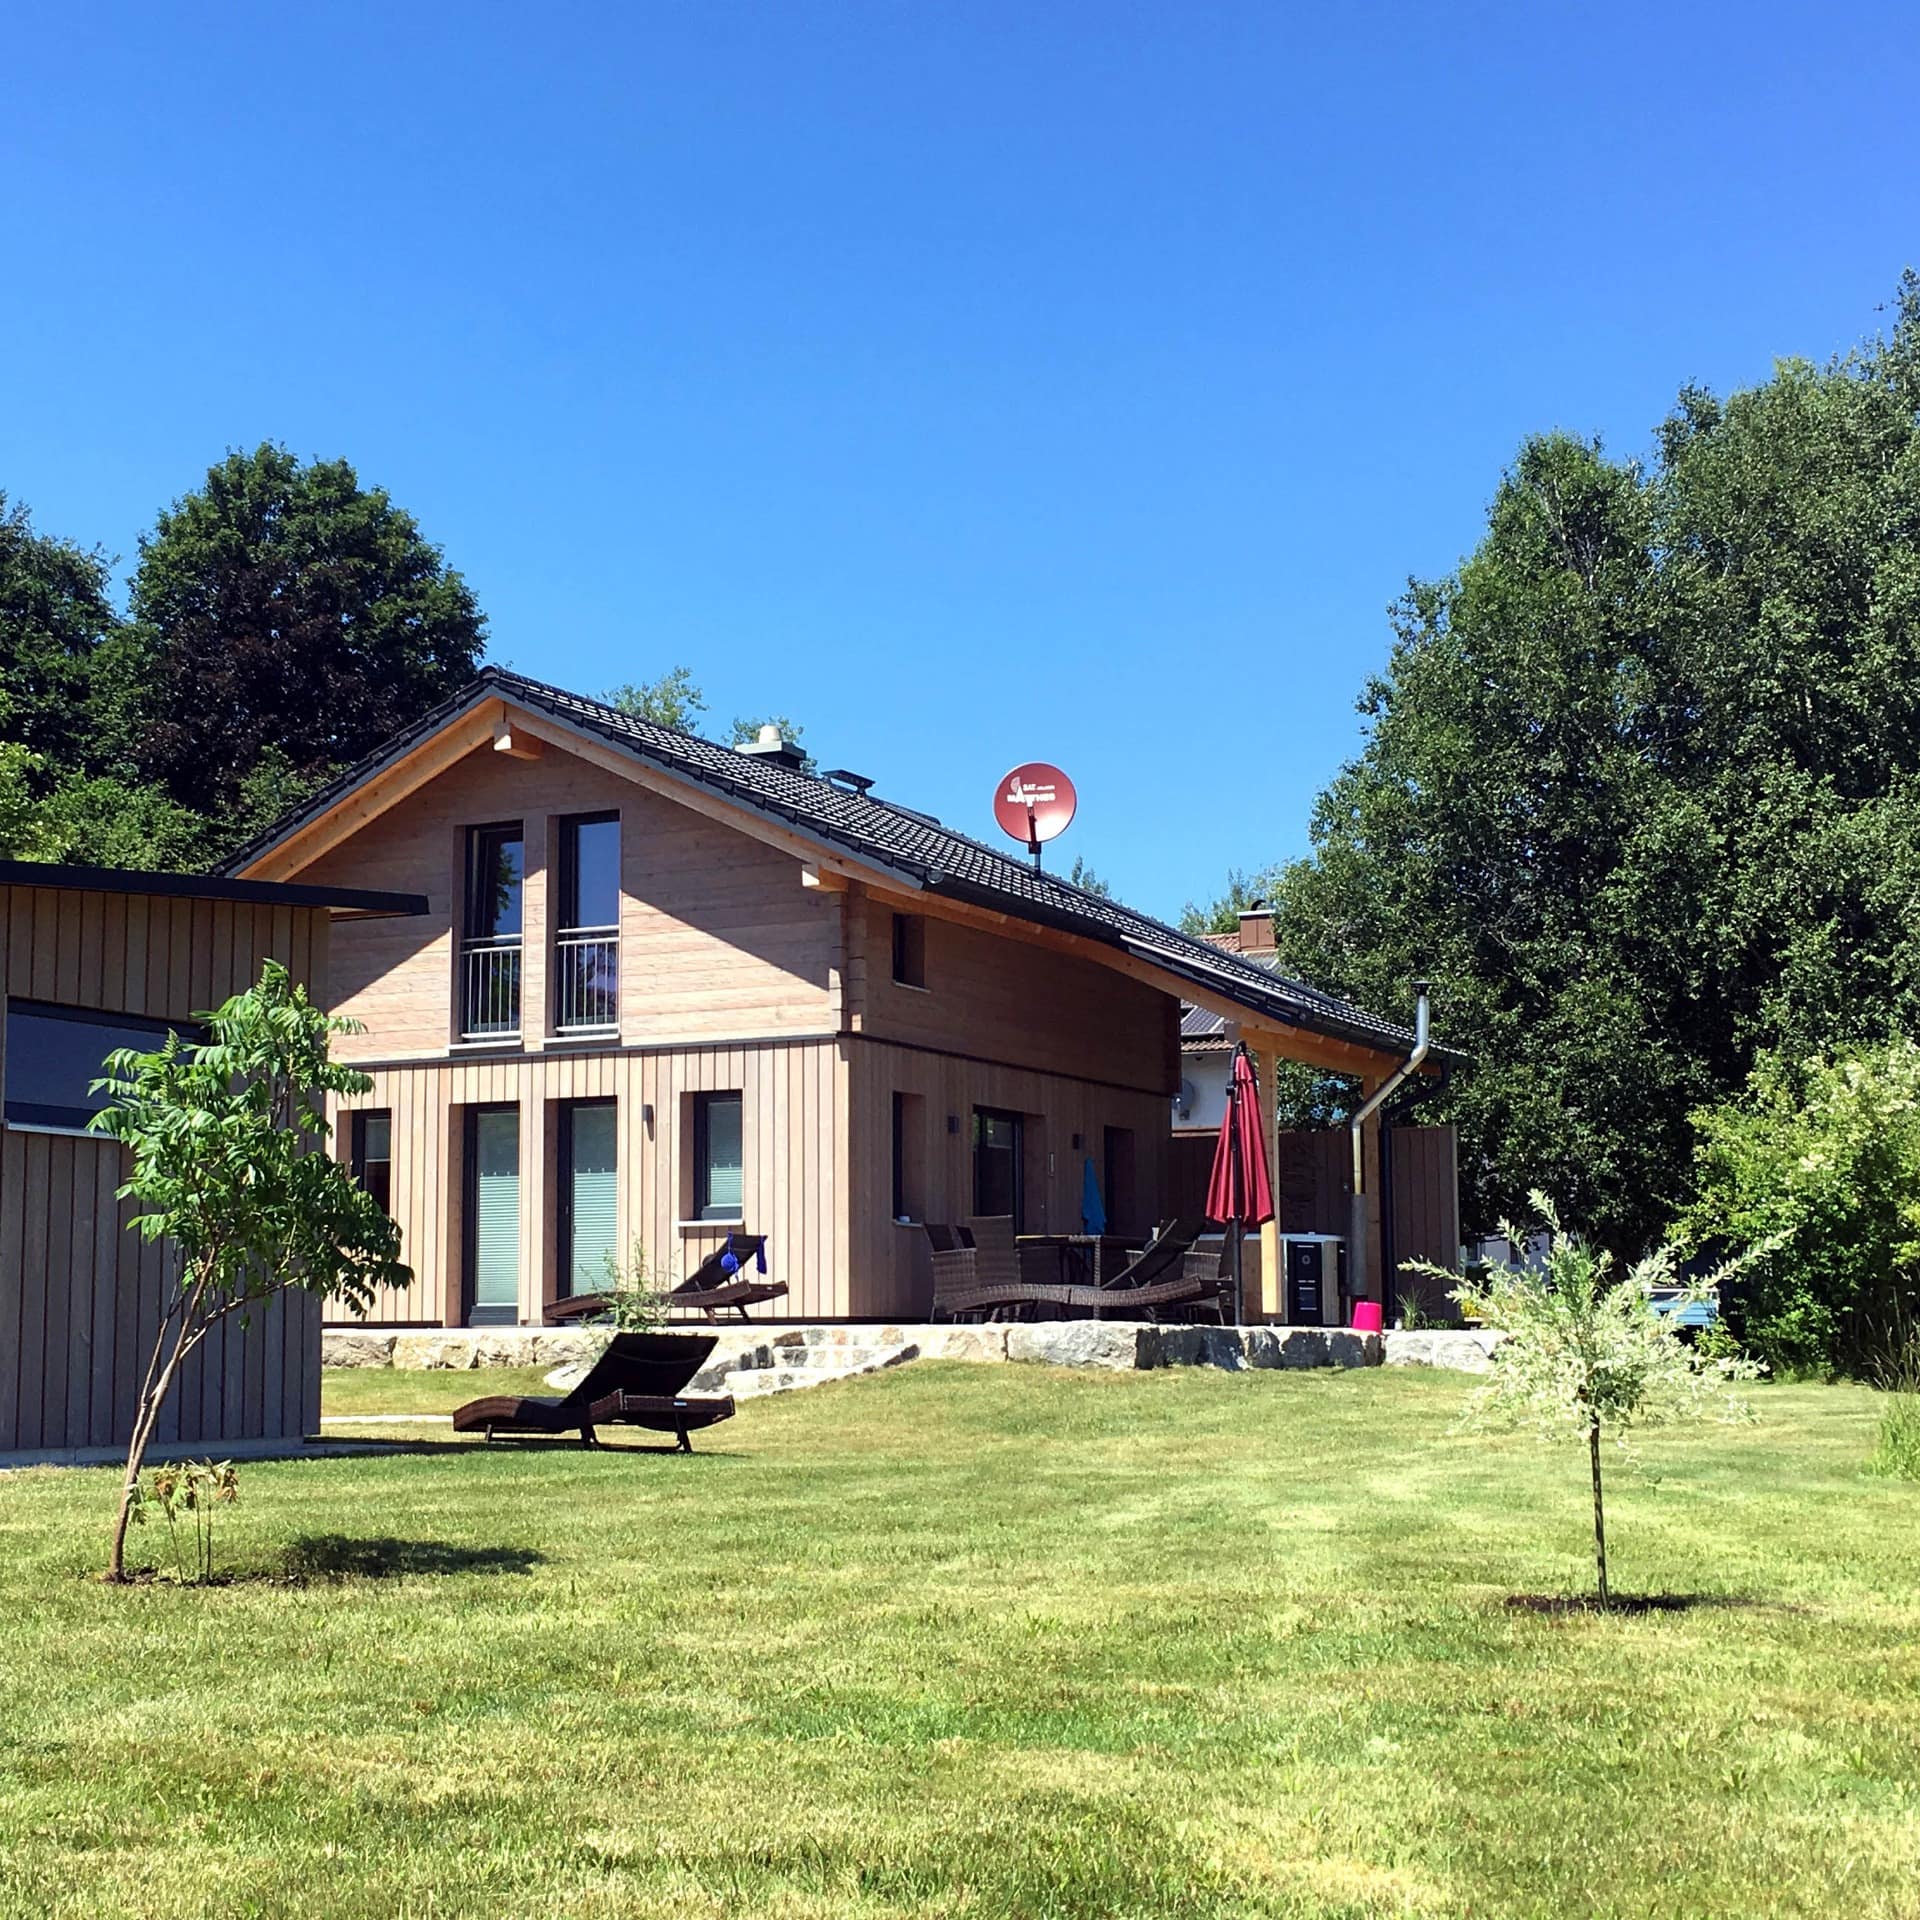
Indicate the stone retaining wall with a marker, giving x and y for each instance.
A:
(1126, 1345)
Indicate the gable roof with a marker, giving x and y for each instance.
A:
(933, 857)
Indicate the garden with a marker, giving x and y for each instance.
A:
(983, 1641)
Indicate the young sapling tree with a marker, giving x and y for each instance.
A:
(226, 1144)
(1588, 1355)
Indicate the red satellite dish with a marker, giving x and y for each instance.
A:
(1035, 803)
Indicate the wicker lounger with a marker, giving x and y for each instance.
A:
(636, 1382)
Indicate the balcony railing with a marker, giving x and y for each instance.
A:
(490, 989)
(586, 980)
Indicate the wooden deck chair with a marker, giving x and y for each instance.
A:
(637, 1382)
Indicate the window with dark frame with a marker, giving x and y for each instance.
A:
(719, 1186)
(589, 1147)
(490, 957)
(909, 950)
(496, 875)
(54, 1053)
(586, 969)
(372, 1150)
(999, 1173)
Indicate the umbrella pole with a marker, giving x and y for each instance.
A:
(1235, 1233)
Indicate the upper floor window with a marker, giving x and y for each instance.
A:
(490, 960)
(586, 973)
(909, 950)
(590, 871)
(496, 875)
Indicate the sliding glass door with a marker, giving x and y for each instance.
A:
(589, 1196)
(493, 1216)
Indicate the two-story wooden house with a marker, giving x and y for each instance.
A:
(666, 986)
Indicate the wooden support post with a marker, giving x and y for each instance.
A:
(1272, 1278)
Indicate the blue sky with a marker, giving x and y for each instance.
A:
(971, 382)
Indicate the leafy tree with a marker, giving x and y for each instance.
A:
(1641, 787)
(98, 820)
(55, 609)
(1817, 1164)
(1222, 914)
(1084, 877)
(23, 834)
(746, 731)
(227, 1143)
(1586, 1354)
(281, 608)
(673, 700)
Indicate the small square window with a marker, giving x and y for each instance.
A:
(909, 950)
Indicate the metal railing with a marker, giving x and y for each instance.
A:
(490, 989)
(586, 980)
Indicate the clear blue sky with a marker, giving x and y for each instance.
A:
(971, 382)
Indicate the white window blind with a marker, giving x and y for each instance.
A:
(594, 1195)
(496, 1213)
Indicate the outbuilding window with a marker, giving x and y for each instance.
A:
(54, 1053)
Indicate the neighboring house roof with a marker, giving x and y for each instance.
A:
(934, 857)
(203, 886)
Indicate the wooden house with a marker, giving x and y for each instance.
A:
(93, 959)
(667, 988)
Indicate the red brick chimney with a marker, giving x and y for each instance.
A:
(1256, 930)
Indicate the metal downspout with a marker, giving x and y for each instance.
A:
(1357, 1276)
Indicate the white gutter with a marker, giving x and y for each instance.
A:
(1357, 1215)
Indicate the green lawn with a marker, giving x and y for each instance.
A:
(984, 1641)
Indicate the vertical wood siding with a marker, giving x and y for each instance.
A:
(794, 1166)
(79, 1292)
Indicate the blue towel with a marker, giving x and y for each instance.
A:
(1093, 1215)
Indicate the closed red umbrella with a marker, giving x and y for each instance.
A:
(1240, 1191)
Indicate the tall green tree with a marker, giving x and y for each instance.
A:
(1641, 786)
(55, 609)
(673, 700)
(282, 609)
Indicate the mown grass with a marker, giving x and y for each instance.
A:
(984, 1641)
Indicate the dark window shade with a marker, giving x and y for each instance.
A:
(54, 1053)
(909, 950)
(373, 1153)
(998, 1173)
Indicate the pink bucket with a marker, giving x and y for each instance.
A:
(1366, 1316)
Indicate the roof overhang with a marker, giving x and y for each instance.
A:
(343, 902)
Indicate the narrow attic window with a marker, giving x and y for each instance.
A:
(909, 950)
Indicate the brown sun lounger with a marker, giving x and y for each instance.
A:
(712, 1290)
(637, 1382)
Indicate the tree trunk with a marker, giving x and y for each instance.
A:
(160, 1377)
(1599, 1513)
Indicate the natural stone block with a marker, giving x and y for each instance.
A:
(988, 1342)
(433, 1350)
(1114, 1344)
(349, 1347)
(1459, 1348)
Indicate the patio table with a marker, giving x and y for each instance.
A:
(1075, 1259)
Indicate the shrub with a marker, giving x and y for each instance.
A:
(1587, 1354)
(1815, 1171)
